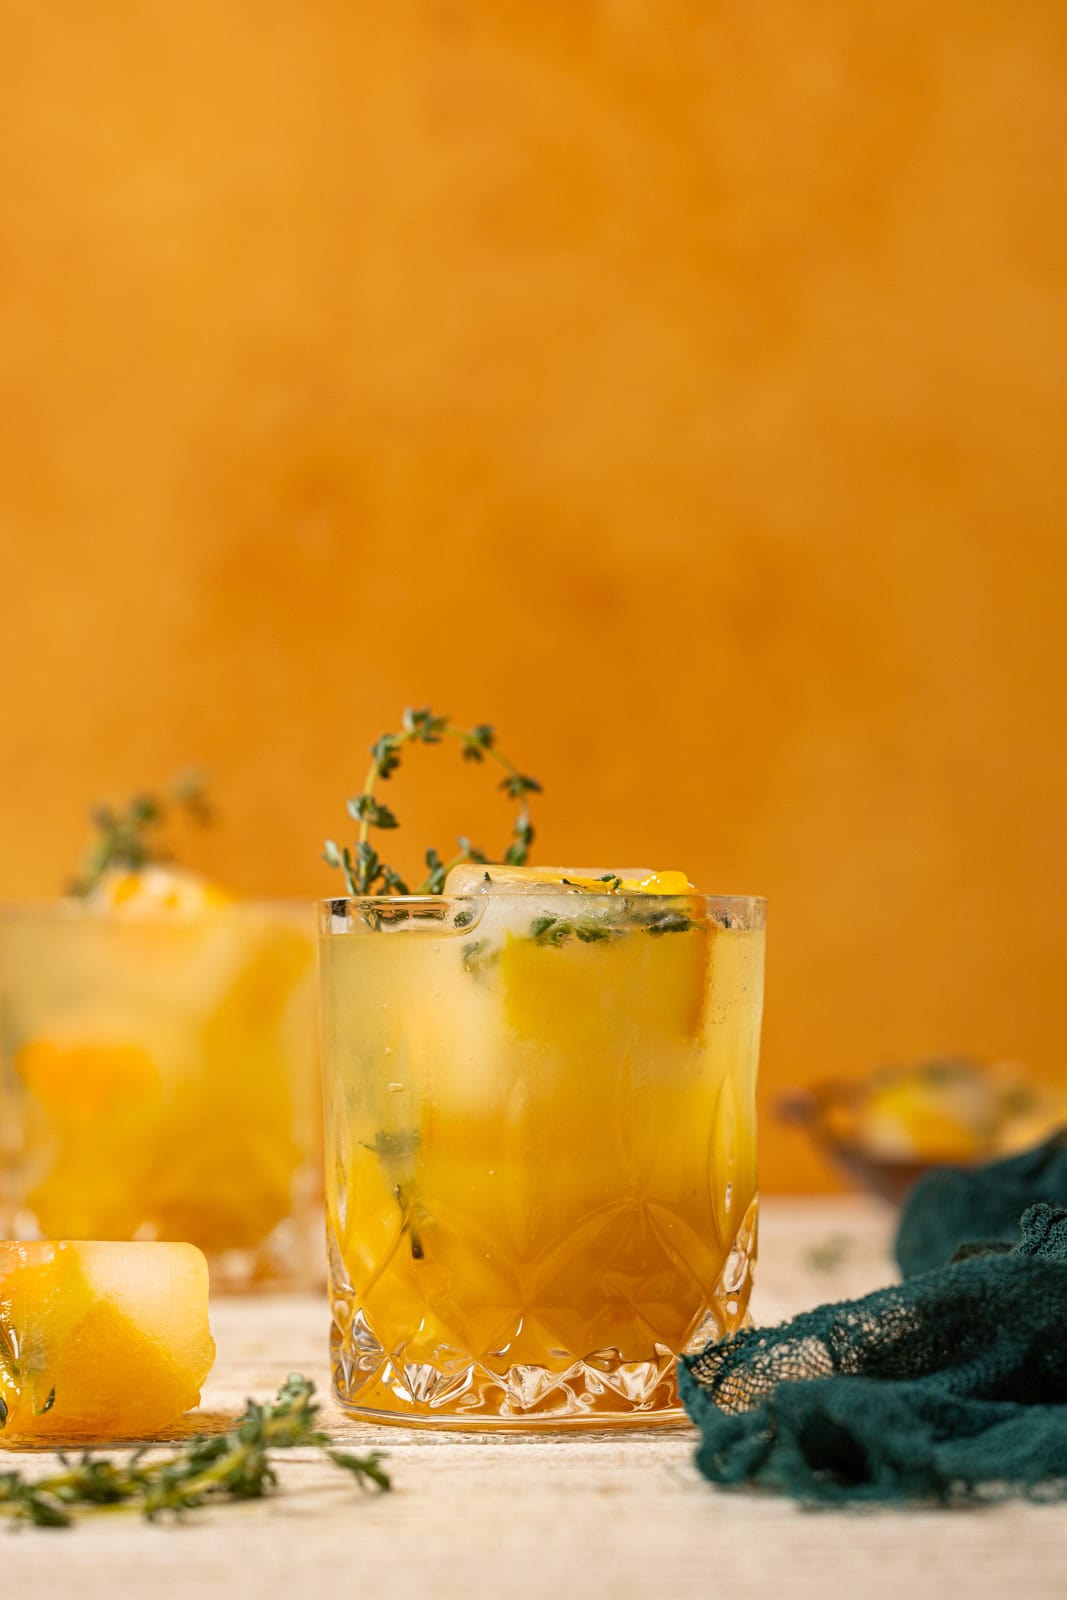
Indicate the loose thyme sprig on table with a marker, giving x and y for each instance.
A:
(365, 872)
(129, 837)
(206, 1469)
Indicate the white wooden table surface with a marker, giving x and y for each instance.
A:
(568, 1516)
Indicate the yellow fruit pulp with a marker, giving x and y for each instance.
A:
(161, 1066)
(100, 1341)
(544, 1152)
(906, 1122)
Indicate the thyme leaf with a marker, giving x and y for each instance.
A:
(394, 1145)
(558, 930)
(668, 922)
(613, 881)
(478, 954)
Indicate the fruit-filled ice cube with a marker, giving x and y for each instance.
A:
(100, 1340)
(472, 877)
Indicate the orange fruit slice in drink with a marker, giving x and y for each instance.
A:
(586, 998)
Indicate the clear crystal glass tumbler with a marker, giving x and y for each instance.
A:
(540, 1150)
(159, 1079)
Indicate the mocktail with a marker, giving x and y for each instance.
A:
(158, 1080)
(540, 1125)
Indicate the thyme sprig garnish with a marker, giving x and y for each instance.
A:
(128, 836)
(209, 1468)
(364, 871)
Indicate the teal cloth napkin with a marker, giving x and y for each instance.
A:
(948, 1387)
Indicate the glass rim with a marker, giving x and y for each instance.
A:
(752, 902)
(747, 904)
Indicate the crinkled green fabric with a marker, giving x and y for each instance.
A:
(950, 1386)
(956, 1206)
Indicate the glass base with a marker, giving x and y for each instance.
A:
(455, 1391)
(674, 1417)
(459, 1390)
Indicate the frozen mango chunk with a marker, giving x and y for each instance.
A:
(100, 1340)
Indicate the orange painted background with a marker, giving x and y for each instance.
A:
(681, 387)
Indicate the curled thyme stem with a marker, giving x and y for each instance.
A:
(364, 871)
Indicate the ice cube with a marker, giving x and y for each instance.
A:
(100, 1340)
(473, 877)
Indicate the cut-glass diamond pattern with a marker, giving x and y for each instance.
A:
(607, 1308)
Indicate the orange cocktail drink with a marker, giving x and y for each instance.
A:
(540, 1156)
(159, 1080)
